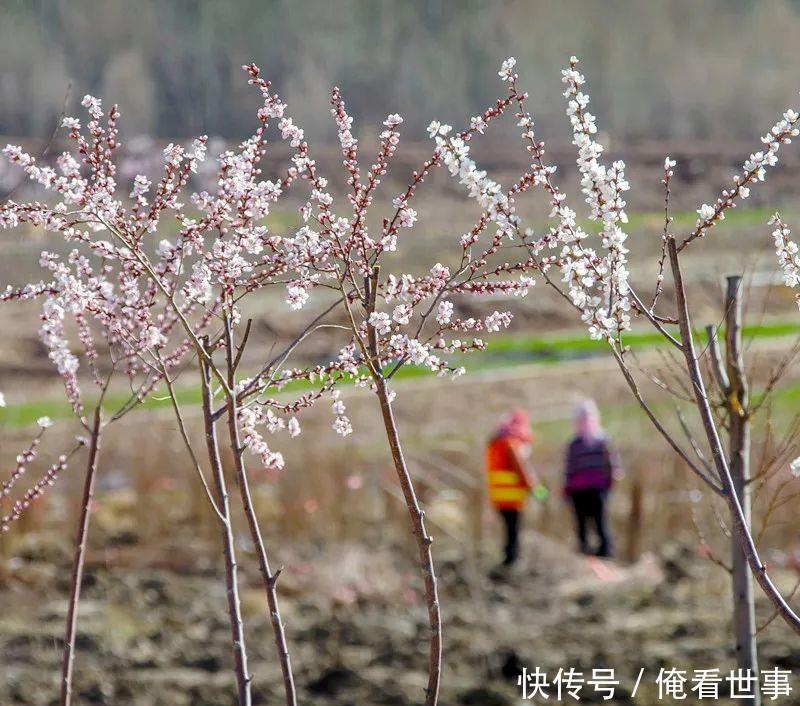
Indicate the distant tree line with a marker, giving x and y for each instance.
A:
(663, 70)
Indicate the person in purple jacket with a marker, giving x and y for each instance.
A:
(590, 470)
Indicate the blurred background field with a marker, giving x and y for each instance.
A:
(698, 81)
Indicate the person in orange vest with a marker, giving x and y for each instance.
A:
(509, 477)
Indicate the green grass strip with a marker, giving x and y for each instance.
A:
(503, 352)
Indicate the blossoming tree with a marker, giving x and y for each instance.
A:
(397, 318)
(92, 313)
(150, 319)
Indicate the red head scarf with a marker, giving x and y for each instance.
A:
(516, 425)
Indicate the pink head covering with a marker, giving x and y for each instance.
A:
(516, 425)
(587, 421)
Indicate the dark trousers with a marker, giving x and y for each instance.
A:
(590, 506)
(511, 520)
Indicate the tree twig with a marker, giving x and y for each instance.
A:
(187, 443)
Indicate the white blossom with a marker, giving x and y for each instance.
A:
(444, 312)
(494, 322)
(507, 69)
(706, 212)
(296, 295)
(787, 253)
(402, 314)
(381, 322)
(342, 426)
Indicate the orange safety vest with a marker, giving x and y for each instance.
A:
(507, 488)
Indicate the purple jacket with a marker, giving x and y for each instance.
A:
(590, 465)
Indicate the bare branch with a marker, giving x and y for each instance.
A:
(740, 526)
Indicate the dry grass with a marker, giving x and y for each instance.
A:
(346, 490)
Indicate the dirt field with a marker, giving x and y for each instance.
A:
(153, 629)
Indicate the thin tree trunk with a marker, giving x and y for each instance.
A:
(424, 541)
(415, 512)
(243, 680)
(268, 578)
(68, 659)
(737, 402)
